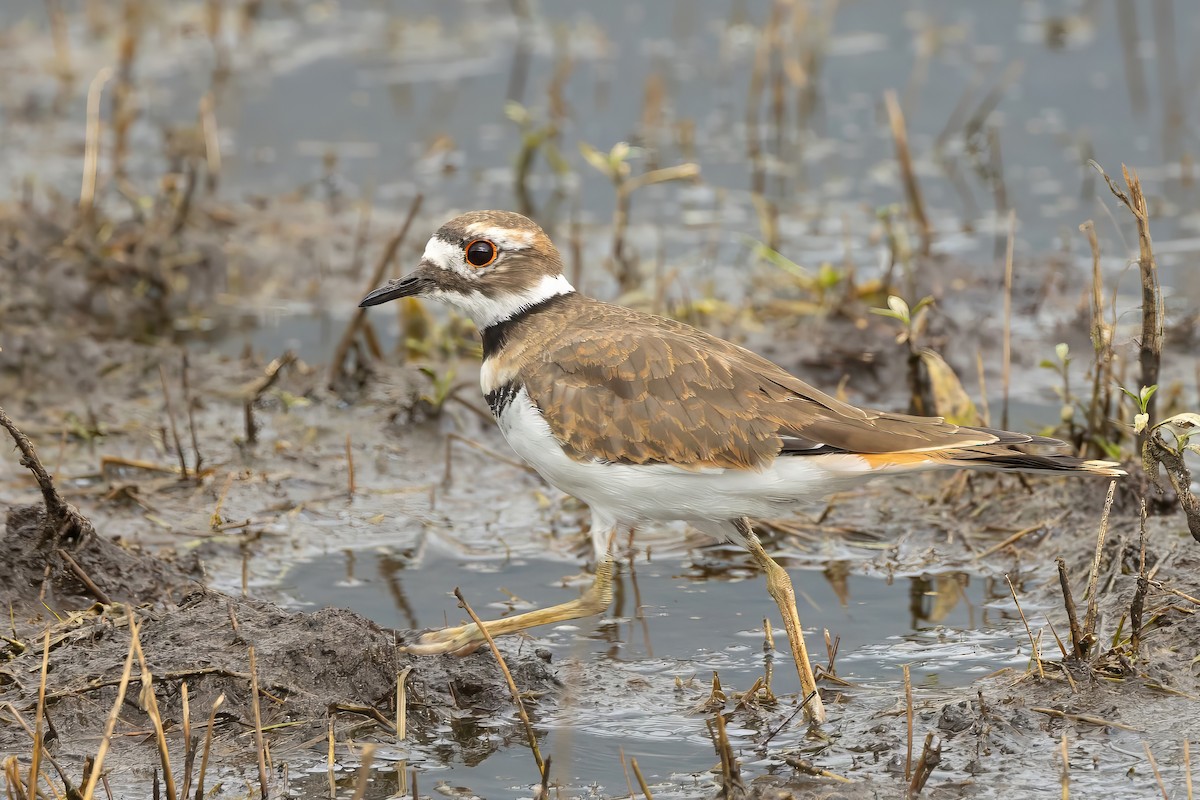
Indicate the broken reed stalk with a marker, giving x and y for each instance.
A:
(111, 724)
(36, 758)
(1065, 775)
(512, 685)
(1154, 766)
(731, 773)
(212, 141)
(1037, 657)
(183, 468)
(259, 744)
(63, 520)
(908, 706)
(402, 704)
(1187, 768)
(627, 275)
(364, 772)
(637, 773)
(191, 415)
(330, 761)
(1138, 605)
(1150, 344)
(1079, 645)
(916, 206)
(1101, 334)
(91, 142)
(1089, 620)
(338, 365)
(208, 746)
(149, 702)
(189, 753)
(1006, 345)
(931, 756)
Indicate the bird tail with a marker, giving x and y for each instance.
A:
(1004, 458)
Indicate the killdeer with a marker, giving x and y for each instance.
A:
(646, 418)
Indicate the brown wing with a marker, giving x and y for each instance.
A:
(629, 392)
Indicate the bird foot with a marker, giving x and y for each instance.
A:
(460, 641)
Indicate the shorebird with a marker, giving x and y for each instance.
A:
(647, 419)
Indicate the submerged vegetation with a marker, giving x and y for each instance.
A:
(177, 457)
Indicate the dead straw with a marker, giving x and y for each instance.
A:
(91, 141)
(364, 772)
(916, 206)
(1187, 768)
(1151, 340)
(512, 685)
(208, 737)
(931, 756)
(111, 724)
(1089, 620)
(1006, 345)
(149, 702)
(908, 706)
(1154, 766)
(402, 704)
(259, 745)
(1037, 658)
(637, 773)
(35, 759)
(1079, 645)
(183, 468)
(338, 365)
(1065, 775)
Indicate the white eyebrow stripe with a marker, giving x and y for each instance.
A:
(504, 238)
(441, 253)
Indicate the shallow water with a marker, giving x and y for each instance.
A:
(620, 672)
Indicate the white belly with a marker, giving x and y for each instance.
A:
(630, 494)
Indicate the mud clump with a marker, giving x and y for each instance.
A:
(310, 665)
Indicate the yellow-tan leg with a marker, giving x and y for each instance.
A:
(779, 584)
(465, 639)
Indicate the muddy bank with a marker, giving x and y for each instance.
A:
(312, 667)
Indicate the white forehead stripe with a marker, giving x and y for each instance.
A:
(441, 253)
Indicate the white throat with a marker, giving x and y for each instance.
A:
(487, 311)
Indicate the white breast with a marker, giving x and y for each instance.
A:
(631, 494)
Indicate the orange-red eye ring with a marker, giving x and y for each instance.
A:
(480, 253)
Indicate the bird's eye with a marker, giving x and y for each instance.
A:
(480, 253)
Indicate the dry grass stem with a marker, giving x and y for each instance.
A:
(1079, 644)
(111, 724)
(1089, 621)
(931, 756)
(402, 705)
(91, 142)
(637, 773)
(364, 772)
(1046, 523)
(1154, 766)
(1151, 340)
(916, 206)
(1090, 719)
(338, 364)
(1065, 775)
(208, 737)
(149, 703)
(1006, 343)
(1187, 768)
(512, 685)
(908, 707)
(259, 744)
(1037, 657)
(39, 719)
